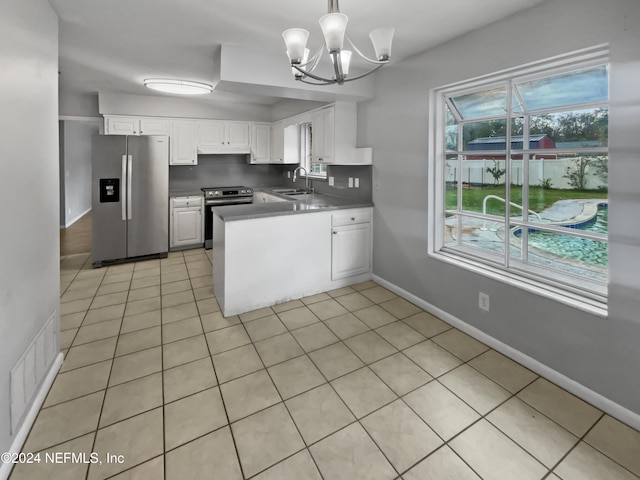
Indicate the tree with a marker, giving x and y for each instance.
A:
(601, 167)
(496, 172)
(577, 174)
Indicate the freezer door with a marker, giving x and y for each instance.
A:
(148, 195)
(109, 240)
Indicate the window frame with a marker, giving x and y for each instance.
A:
(587, 295)
(306, 153)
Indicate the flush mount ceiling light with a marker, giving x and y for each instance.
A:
(181, 87)
(334, 26)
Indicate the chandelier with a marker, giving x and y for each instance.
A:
(334, 26)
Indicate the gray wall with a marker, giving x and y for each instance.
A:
(602, 354)
(75, 170)
(78, 104)
(340, 188)
(30, 254)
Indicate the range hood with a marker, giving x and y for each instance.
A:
(221, 150)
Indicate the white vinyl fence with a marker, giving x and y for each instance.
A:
(541, 170)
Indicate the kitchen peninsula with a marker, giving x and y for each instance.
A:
(270, 253)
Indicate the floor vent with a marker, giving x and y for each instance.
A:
(28, 373)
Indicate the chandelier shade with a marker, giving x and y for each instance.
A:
(296, 41)
(334, 30)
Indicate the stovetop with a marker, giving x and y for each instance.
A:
(227, 192)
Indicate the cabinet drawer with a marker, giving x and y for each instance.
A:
(351, 217)
(184, 202)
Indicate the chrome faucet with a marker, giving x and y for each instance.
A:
(307, 180)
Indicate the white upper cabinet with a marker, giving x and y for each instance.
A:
(277, 142)
(261, 143)
(334, 136)
(121, 125)
(238, 134)
(223, 137)
(154, 126)
(323, 125)
(183, 143)
(211, 134)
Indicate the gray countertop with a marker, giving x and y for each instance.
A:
(186, 192)
(306, 203)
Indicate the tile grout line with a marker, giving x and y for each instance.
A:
(224, 404)
(306, 447)
(104, 398)
(511, 395)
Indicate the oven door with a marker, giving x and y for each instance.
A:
(208, 217)
(208, 226)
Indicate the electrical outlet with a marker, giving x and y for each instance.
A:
(350, 182)
(483, 301)
(331, 181)
(356, 182)
(288, 174)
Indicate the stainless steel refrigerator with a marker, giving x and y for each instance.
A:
(130, 198)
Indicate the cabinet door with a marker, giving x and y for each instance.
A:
(183, 143)
(211, 134)
(153, 126)
(350, 250)
(277, 142)
(317, 147)
(328, 129)
(186, 226)
(323, 135)
(238, 134)
(261, 143)
(122, 126)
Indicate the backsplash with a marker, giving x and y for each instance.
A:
(341, 175)
(224, 171)
(231, 170)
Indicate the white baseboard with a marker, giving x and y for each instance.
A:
(74, 220)
(27, 423)
(603, 403)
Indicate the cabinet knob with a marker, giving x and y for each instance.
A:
(335, 233)
(140, 132)
(134, 132)
(353, 219)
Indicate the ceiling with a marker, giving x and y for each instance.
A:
(111, 46)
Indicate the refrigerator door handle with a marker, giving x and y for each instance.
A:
(129, 184)
(123, 201)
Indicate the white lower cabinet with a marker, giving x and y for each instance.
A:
(350, 243)
(186, 221)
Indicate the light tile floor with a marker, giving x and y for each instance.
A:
(355, 383)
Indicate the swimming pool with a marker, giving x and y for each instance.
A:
(581, 249)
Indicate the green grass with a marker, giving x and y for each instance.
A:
(539, 198)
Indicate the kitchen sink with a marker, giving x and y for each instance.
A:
(289, 191)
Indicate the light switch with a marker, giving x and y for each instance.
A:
(331, 181)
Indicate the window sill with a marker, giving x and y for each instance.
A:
(585, 303)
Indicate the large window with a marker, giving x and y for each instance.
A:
(519, 185)
(315, 169)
